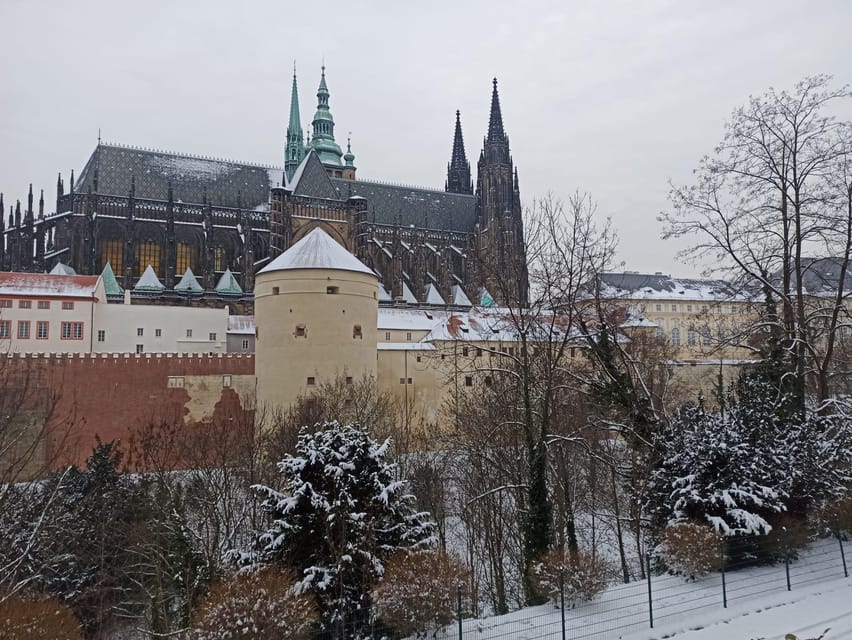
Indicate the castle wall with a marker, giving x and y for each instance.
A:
(111, 396)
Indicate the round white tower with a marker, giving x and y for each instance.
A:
(316, 308)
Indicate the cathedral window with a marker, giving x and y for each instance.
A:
(112, 251)
(185, 257)
(148, 253)
(219, 259)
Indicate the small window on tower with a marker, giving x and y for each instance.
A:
(311, 381)
(275, 291)
(332, 290)
(356, 331)
(301, 331)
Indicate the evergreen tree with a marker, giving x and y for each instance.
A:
(340, 517)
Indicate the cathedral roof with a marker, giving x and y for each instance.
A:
(193, 178)
(317, 250)
(413, 206)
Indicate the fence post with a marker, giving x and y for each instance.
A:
(787, 567)
(562, 598)
(650, 599)
(459, 606)
(722, 565)
(842, 555)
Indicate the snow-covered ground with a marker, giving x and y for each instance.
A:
(759, 606)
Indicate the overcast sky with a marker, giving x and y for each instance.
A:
(615, 98)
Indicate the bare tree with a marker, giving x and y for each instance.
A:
(776, 189)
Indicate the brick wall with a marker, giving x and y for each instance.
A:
(112, 395)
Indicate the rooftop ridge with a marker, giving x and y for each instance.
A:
(406, 185)
(194, 156)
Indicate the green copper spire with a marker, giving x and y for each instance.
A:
(349, 157)
(323, 139)
(294, 151)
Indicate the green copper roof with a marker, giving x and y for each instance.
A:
(323, 124)
(228, 284)
(294, 150)
(110, 283)
(149, 281)
(485, 298)
(189, 283)
(349, 157)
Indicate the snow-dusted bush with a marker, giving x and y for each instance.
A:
(257, 605)
(834, 516)
(419, 590)
(37, 618)
(584, 575)
(340, 517)
(691, 549)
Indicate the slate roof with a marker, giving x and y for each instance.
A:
(820, 276)
(190, 176)
(423, 208)
(311, 179)
(659, 286)
(317, 250)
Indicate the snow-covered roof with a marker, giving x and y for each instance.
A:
(431, 295)
(62, 270)
(317, 250)
(638, 321)
(384, 296)
(407, 295)
(149, 281)
(46, 284)
(405, 346)
(409, 319)
(659, 286)
(243, 325)
(459, 297)
(189, 283)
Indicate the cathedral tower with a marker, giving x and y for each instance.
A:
(322, 140)
(294, 151)
(500, 239)
(458, 169)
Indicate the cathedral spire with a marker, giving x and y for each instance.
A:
(495, 122)
(294, 151)
(322, 140)
(458, 169)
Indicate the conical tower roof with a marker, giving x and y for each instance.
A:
(317, 250)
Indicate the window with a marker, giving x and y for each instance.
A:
(226, 381)
(689, 307)
(468, 381)
(219, 258)
(405, 381)
(408, 336)
(175, 382)
(212, 336)
(44, 304)
(348, 379)
(23, 329)
(67, 305)
(465, 351)
(140, 332)
(478, 352)
(642, 308)
(42, 327)
(5, 328)
(189, 333)
(25, 304)
(301, 331)
(332, 290)
(674, 307)
(356, 332)
(387, 336)
(659, 307)
(5, 304)
(72, 331)
(185, 257)
(311, 381)
(158, 333)
(660, 334)
(147, 253)
(703, 308)
(275, 291)
(245, 344)
(676, 337)
(690, 337)
(101, 335)
(112, 251)
(140, 348)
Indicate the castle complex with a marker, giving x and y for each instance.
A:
(133, 208)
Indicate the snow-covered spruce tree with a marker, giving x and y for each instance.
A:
(339, 518)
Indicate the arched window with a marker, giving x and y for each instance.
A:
(676, 337)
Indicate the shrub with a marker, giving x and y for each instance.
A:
(584, 575)
(258, 605)
(835, 517)
(691, 549)
(35, 618)
(788, 535)
(418, 591)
